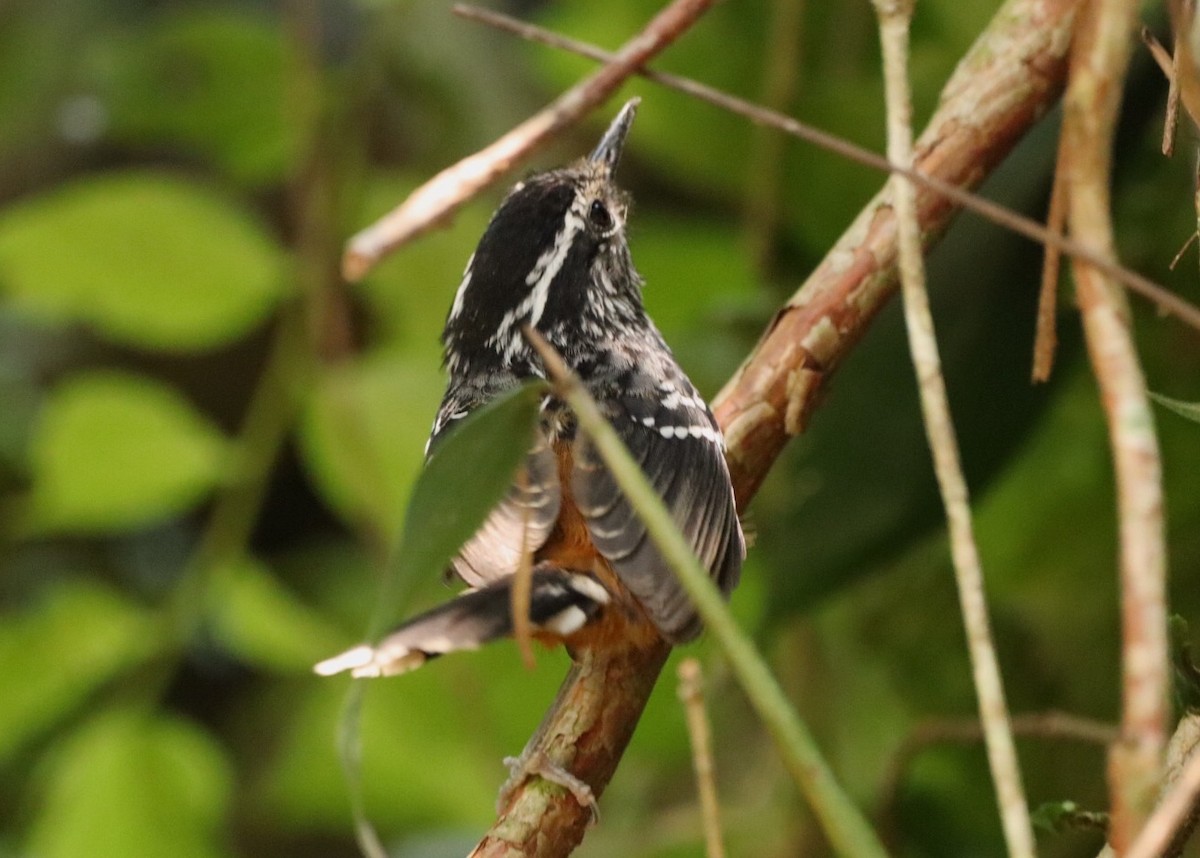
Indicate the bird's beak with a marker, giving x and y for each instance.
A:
(608, 150)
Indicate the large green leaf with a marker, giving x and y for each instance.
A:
(210, 82)
(150, 260)
(429, 757)
(470, 470)
(363, 432)
(465, 478)
(137, 785)
(115, 451)
(59, 651)
(262, 622)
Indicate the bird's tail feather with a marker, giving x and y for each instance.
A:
(561, 602)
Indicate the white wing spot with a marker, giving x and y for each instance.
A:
(592, 589)
(568, 620)
(692, 431)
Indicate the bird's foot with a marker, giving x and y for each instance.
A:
(537, 763)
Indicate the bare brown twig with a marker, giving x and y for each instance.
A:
(895, 18)
(1045, 340)
(522, 588)
(1167, 302)
(1100, 56)
(1169, 827)
(437, 199)
(1168, 63)
(691, 693)
(1184, 73)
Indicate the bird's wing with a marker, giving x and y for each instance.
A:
(522, 520)
(673, 437)
(518, 526)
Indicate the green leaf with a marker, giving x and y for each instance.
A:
(114, 451)
(465, 478)
(151, 261)
(427, 759)
(136, 785)
(58, 651)
(363, 432)
(1190, 410)
(259, 620)
(470, 470)
(210, 82)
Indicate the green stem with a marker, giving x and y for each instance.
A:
(845, 826)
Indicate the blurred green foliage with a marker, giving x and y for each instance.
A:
(207, 440)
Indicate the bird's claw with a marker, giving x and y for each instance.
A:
(537, 763)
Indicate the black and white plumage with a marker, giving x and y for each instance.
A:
(554, 256)
(560, 602)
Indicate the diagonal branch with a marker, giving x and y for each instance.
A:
(438, 199)
(1168, 829)
(1009, 80)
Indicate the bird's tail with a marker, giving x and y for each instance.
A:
(560, 603)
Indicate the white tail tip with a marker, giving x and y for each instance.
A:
(360, 661)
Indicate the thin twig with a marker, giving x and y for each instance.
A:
(522, 586)
(1168, 63)
(1100, 56)
(1166, 302)
(1190, 239)
(1045, 339)
(1187, 79)
(1177, 67)
(440, 197)
(1171, 122)
(895, 17)
(1160, 828)
(1169, 827)
(841, 820)
(1183, 63)
(691, 693)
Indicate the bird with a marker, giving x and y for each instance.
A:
(555, 257)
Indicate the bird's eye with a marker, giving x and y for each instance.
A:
(600, 217)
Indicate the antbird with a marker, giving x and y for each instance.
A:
(555, 257)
